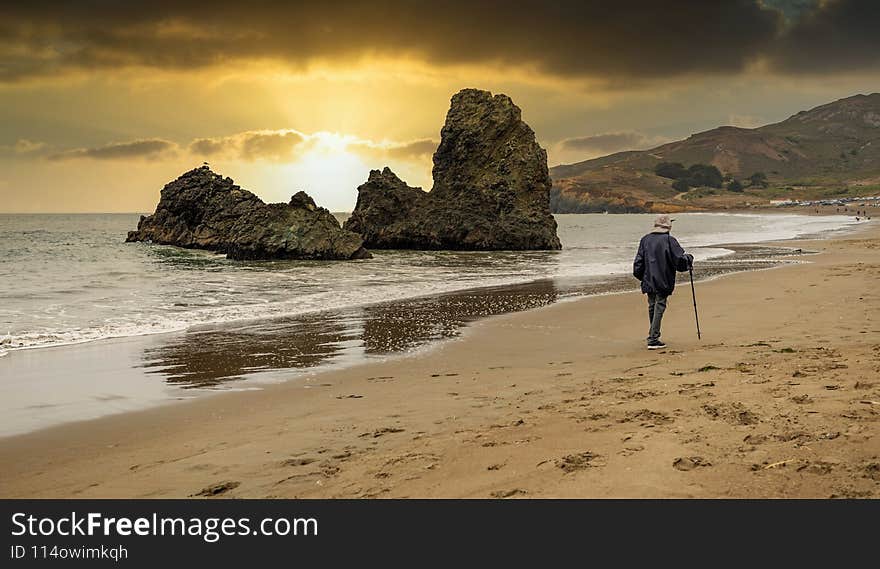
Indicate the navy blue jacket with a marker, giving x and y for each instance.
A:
(658, 258)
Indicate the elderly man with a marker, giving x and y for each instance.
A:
(658, 258)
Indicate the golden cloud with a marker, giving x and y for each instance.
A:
(25, 146)
(609, 142)
(146, 149)
(415, 150)
(282, 145)
(277, 145)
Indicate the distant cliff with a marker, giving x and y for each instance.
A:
(831, 150)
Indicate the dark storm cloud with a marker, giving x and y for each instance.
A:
(791, 9)
(839, 35)
(151, 148)
(567, 38)
(574, 38)
(611, 142)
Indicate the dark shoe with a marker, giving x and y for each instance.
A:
(656, 345)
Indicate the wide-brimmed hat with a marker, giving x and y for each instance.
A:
(663, 223)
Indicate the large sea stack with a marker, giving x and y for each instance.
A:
(204, 210)
(491, 187)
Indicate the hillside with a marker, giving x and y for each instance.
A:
(831, 150)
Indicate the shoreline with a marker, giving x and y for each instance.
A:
(133, 373)
(192, 325)
(558, 402)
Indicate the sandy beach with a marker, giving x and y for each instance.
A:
(781, 398)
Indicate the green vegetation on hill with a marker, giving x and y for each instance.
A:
(695, 176)
(671, 170)
(830, 149)
(758, 180)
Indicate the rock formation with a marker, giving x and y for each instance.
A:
(204, 210)
(491, 187)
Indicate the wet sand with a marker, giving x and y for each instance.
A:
(120, 375)
(781, 398)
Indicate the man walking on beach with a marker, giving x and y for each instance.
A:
(658, 258)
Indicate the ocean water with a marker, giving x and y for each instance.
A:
(68, 279)
(92, 326)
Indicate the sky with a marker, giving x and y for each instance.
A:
(103, 102)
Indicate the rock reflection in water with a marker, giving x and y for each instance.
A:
(211, 357)
(402, 326)
(207, 357)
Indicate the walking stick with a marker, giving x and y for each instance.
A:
(694, 294)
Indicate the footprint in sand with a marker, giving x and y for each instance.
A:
(200, 467)
(641, 394)
(217, 489)
(344, 455)
(818, 467)
(802, 399)
(630, 450)
(686, 463)
(382, 432)
(756, 439)
(872, 470)
(688, 388)
(579, 461)
(849, 493)
(647, 418)
(298, 461)
(499, 494)
(81, 490)
(734, 413)
(329, 468)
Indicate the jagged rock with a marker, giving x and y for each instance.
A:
(491, 187)
(385, 209)
(204, 210)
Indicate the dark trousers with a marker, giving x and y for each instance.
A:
(656, 308)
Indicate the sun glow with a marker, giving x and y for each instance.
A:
(327, 172)
(331, 143)
(331, 165)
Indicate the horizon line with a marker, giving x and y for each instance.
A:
(93, 212)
